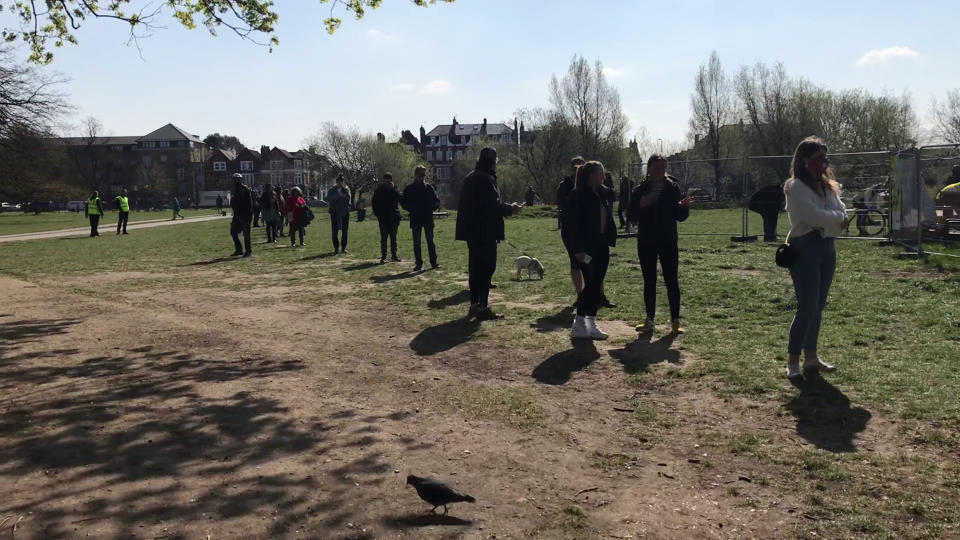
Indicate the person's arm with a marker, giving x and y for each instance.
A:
(636, 210)
(100, 206)
(681, 208)
(578, 241)
(436, 199)
(806, 207)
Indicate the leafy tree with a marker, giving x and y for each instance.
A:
(40, 23)
(223, 142)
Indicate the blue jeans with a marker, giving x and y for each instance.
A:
(812, 274)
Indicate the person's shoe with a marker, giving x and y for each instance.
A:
(236, 254)
(595, 333)
(383, 260)
(118, 233)
(418, 268)
(675, 327)
(344, 251)
(472, 312)
(817, 364)
(487, 314)
(434, 266)
(579, 329)
(395, 259)
(605, 302)
(793, 371)
(302, 244)
(247, 254)
(125, 232)
(336, 250)
(646, 327)
(492, 286)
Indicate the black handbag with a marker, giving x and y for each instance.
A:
(786, 255)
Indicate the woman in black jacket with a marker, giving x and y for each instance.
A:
(656, 205)
(593, 233)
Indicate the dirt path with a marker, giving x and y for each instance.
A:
(108, 228)
(193, 416)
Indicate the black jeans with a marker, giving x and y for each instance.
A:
(622, 212)
(669, 257)
(94, 223)
(770, 225)
(122, 222)
(271, 228)
(427, 230)
(388, 229)
(297, 229)
(482, 264)
(340, 225)
(237, 227)
(593, 276)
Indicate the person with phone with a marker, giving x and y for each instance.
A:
(338, 200)
(593, 234)
(657, 205)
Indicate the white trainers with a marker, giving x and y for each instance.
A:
(817, 364)
(595, 333)
(579, 329)
(793, 371)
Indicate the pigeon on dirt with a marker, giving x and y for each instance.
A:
(437, 493)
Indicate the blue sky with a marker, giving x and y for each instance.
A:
(402, 66)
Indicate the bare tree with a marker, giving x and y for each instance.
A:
(946, 117)
(28, 97)
(584, 99)
(545, 159)
(88, 156)
(712, 108)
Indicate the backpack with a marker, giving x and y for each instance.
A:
(307, 215)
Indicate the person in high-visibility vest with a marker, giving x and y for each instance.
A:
(93, 211)
(124, 205)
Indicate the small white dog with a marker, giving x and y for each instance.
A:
(529, 264)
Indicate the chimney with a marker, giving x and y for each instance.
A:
(423, 135)
(483, 128)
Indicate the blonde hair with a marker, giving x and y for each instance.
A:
(798, 166)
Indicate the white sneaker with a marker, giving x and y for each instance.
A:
(579, 329)
(595, 333)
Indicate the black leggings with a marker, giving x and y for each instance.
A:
(482, 265)
(669, 263)
(593, 276)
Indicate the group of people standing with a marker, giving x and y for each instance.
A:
(274, 206)
(420, 200)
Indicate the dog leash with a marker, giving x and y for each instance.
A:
(514, 246)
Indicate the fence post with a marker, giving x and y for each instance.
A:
(744, 220)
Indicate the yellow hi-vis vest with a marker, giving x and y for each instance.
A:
(92, 206)
(124, 203)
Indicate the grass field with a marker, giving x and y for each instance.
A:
(892, 327)
(18, 222)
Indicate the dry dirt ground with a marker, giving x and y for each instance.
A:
(212, 414)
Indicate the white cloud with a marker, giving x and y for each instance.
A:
(614, 73)
(403, 87)
(437, 87)
(378, 35)
(881, 56)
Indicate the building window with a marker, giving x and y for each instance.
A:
(443, 140)
(147, 161)
(117, 148)
(459, 154)
(246, 165)
(433, 141)
(163, 158)
(220, 166)
(276, 164)
(164, 144)
(466, 139)
(298, 178)
(179, 175)
(429, 155)
(273, 178)
(449, 155)
(149, 144)
(298, 164)
(248, 178)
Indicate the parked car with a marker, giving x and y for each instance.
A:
(699, 194)
(9, 207)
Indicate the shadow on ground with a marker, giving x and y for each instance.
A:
(643, 353)
(211, 261)
(560, 367)
(394, 277)
(561, 320)
(360, 266)
(824, 414)
(444, 336)
(424, 520)
(461, 297)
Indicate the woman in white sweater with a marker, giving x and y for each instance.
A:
(816, 217)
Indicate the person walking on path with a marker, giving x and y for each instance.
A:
(594, 233)
(563, 195)
(94, 211)
(386, 207)
(421, 200)
(123, 204)
(480, 224)
(219, 204)
(241, 202)
(176, 209)
(656, 206)
(270, 209)
(338, 201)
(817, 216)
(296, 209)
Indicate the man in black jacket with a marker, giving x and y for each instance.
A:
(242, 204)
(385, 204)
(563, 211)
(420, 199)
(768, 201)
(480, 225)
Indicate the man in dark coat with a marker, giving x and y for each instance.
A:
(241, 202)
(420, 199)
(768, 201)
(480, 225)
(386, 206)
(566, 230)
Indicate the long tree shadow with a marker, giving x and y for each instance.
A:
(444, 336)
(643, 353)
(13, 334)
(557, 321)
(452, 300)
(558, 369)
(394, 277)
(824, 414)
(320, 256)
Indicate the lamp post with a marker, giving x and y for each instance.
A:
(661, 145)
